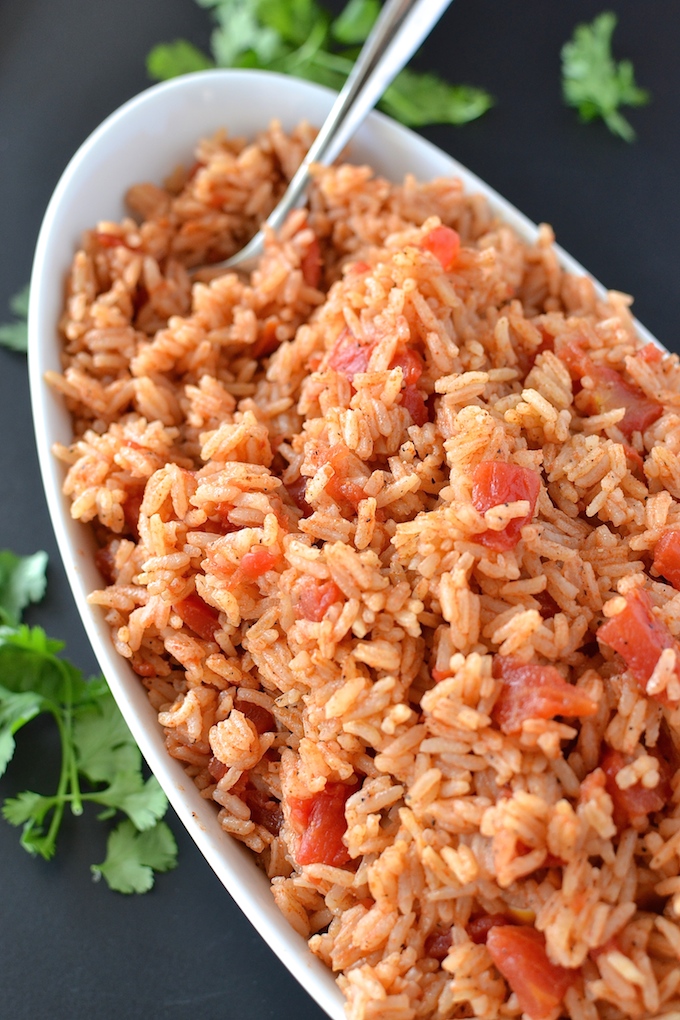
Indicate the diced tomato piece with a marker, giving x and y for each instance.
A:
(217, 768)
(193, 169)
(257, 561)
(520, 955)
(437, 944)
(132, 507)
(410, 363)
(320, 821)
(222, 511)
(444, 244)
(358, 268)
(478, 928)
(667, 557)
(531, 691)
(632, 805)
(344, 490)
(650, 353)
(198, 615)
(611, 391)
(296, 491)
(414, 402)
(106, 563)
(547, 341)
(260, 717)
(349, 356)
(636, 462)
(311, 263)
(547, 605)
(639, 638)
(316, 599)
(264, 810)
(495, 482)
(143, 668)
(106, 240)
(267, 342)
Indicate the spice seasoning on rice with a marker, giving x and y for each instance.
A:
(389, 532)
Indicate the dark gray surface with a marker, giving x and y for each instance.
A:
(72, 949)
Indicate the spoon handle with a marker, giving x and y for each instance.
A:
(399, 30)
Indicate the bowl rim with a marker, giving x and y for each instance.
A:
(232, 863)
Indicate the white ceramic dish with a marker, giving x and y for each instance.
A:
(141, 141)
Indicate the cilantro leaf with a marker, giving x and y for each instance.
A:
(96, 745)
(143, 802)
(292, 20)
(22, 580)
(355, 21)
(104, 745)
(28, 806)
(239, 33)
(594, 83)
(19, 301)
(417, 99)
(15, 334)
(28, 662)
(300, 38)
(15, 711)
(132, 857)
(30, 809)
(168, 60)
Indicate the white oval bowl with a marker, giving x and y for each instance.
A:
(143, 141)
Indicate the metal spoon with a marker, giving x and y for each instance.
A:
(397, 33)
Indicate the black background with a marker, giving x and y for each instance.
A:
(70, 948)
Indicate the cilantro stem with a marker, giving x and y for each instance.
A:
(48, 842)
(309, 49)
(68, 747)
(332, 61)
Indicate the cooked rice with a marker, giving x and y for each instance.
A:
(199, 415)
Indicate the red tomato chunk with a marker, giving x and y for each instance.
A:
(410, 363)
(316, 599)
(531, 691)
(260, 717)
(495, 482)
(310, 264)
(343, 489)
(349, 356)
(611, 391)
(444, 244)
(519, 954)
(632, 805)
(267, 342)
(667, 557)
(547, 606)
(414, 402)
(198, 615)
(650, 353)
(264, 810)
(256, 562)
(638, 637)
(320, 821)
(437, 944)
(296, 491)
(478, 928)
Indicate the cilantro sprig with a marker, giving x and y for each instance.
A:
(594, 83)
(100, 762)
(15, 334)
(299, 37)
